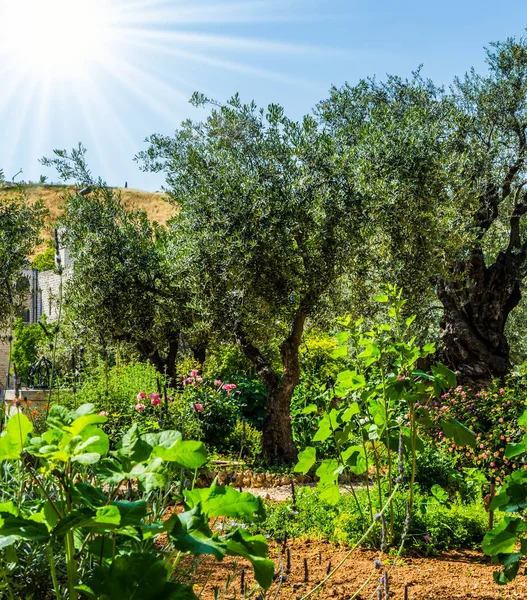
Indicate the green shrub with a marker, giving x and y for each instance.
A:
(251, 438)
(493, 414)
(433, 526)
(25, 347)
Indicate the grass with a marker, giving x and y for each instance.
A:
(153, 203)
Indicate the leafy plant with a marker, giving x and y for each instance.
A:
(78, 506)
(370, 420)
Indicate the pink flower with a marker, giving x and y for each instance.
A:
(193, 373)
(400, 378)
(478, 395)
(199, 379)
(155, 399)
(140, 406)
(170, 399)
(218, 382)
(103, 413)
(482, 446)
(502, 391)
(229, 387)
(198, 407)
(427, 539)
(141, 396)
(492, 464)
(188, 380)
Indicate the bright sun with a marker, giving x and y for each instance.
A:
(55, 38)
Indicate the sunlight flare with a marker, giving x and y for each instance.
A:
(56, 38)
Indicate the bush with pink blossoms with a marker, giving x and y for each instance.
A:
(215, 403)
(494, 414)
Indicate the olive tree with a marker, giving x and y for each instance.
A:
(268, 231)
(20, 226)
(444, 177)
(122, 287)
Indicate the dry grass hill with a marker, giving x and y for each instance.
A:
(153, 203)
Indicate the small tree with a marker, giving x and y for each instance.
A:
(268, 232)
(122, 288)
(20, 226)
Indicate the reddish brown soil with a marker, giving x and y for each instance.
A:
(461, 574)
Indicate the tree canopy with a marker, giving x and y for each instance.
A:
(271, 225)
(20, 227)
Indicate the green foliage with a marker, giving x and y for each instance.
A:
(20, 226)
(45, 261)
(266, 231)
(123, 281)
(24, 351)
(494, 414)
(446, 526)
(375, 407)
(77, 509)
(245, 440)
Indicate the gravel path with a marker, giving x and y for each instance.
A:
(282, 493)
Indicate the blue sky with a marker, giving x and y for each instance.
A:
(112, 89)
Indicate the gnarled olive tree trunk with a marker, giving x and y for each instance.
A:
(277, 438)
(476, 307)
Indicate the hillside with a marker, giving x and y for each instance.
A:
(153, 203)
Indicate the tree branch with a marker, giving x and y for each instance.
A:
(261, 364)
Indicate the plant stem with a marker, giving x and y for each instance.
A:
(387, 442)
(348, 554)
(53, 570)
(413, 439)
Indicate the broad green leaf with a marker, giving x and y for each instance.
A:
(410, 320)
(306, 459)
(225, 501)
(167, 439)
(14, 437)
(141, 576)
(355, 459)
(439, 493)
(342, 337)
(110, 471)
(185, 454)
(107, 515)
(339, 352)
(310, 408)
(253, 548)
(352, 410)
(13, 528)
(455, 430)
(189, 532)
(523, 420)
(348, 381)
(132, 513)
(328, 472)
(329, 494)
(381, 298)
(82, 422)
(151, 476)
(500, 543)
(512, 450)
(133, 446)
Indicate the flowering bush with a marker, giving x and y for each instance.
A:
(214, 404)
(494, 415)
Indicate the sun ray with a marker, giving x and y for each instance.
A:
(225, 64)
(111, 67)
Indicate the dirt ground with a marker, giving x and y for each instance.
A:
(459, 574)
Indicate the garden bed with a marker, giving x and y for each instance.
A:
(446, 576)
